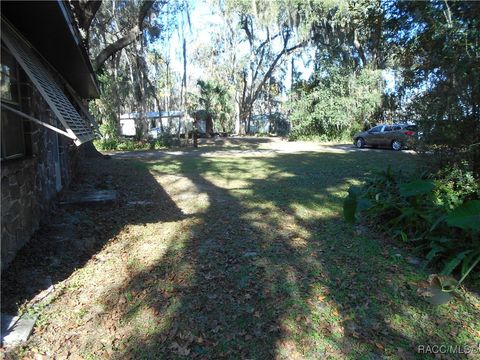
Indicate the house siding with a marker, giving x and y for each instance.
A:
(28, 185)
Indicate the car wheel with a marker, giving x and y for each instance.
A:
(360, 143)
(396, 145)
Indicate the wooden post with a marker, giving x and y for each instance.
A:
(195, 139)
(194, 134)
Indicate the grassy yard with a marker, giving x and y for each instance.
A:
(242, 256)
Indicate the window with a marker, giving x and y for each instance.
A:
(387, 128)
(13, 140)
(39, 73)
(376, 129)
(9, 82)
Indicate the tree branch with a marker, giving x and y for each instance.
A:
(285, 51)
(268, 40)
(246, 28)
(126, 40)
(258, 66)
(85, 11)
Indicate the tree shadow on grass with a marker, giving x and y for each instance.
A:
(263, 267)
(370, 281)
(257, 278)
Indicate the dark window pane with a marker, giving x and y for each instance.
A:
(13, 142)
(9, 77)
(5, 87)
(9, 67)
(9, 89)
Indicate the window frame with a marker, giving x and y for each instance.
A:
(44, 78)
(16, 79)
(5, 114)
(380, 127)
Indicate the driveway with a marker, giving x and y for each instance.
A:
(248, 146)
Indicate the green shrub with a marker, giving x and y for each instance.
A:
(159, 144)
(323, 138)
(165, 141)
(104, 144)
(109, 130)
(439, 214)
(460, 181)
(122, 144)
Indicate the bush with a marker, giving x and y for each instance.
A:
(131, 145)
(159, 144)
(439, 214)
(162, 142)
(121, 145)
(104, 144)
(340, 137)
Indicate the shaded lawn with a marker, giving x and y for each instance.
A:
(255, 263)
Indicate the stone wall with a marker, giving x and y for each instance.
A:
(28, 184)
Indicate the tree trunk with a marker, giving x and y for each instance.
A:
(195, 134)
(237, 114)
(89, 151)
(359, 48)
(269, 104)
(253, 97)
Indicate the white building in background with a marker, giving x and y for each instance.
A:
(171, 122)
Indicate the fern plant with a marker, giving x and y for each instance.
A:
(415, 211)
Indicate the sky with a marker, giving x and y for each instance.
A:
(205, 18)
(204, 21)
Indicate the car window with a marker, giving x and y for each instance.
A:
(376, 129)
(396, 128)
(387, 128)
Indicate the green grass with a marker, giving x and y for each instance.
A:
(287, 209)
(250, 258)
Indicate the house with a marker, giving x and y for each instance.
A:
(46, 80)
(274, 123)
(170, 122)
(260, 124)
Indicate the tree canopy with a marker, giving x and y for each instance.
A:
(330, 67)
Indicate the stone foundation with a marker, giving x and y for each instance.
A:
(29, 184)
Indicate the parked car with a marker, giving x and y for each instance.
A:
(395, 136)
